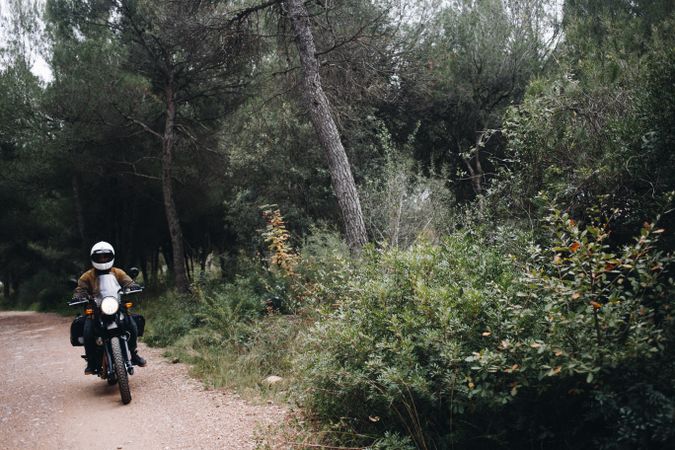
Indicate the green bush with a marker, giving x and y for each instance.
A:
(225, 332)
(399, 202)
(227, 309)
(168, 318)
(457, 344)
(220, 308)
(390, 349)
(323, 271)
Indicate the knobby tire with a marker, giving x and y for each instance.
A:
(120, 370)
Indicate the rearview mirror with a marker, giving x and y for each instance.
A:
(72, 283)
(133, 272)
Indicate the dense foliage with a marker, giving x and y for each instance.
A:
(471, 345)
(514, 161)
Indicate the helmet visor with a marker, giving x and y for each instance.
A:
(103, 257)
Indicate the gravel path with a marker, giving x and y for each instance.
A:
(47, 403)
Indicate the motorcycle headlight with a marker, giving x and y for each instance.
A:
(110, 305)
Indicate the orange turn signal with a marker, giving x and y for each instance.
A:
(128, 305)
(89, 311)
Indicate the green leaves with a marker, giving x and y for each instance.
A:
(459, 329)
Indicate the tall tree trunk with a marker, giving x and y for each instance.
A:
(324, 125)
(473, 163)
(175, 230)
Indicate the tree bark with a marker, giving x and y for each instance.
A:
(473, 163)
(175, 230)
(322, 119)
(475, 173)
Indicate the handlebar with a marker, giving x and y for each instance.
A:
(78, 302)
(132, 291)
(82, 301)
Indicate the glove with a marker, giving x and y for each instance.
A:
(133, 286)
(80, 298)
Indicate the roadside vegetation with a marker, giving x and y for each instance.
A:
(514, 171)
(465, 341)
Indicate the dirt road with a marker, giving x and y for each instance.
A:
(47, 403)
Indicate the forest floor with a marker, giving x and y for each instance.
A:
(46, 402)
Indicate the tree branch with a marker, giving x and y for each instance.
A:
(244, 13)
(351, 38)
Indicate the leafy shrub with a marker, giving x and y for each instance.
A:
(168, 318)
(225, 333)
(303, 280)
(399, 202)
(220, 308)
(456, 344)
(225, 309)
(388, 349)
(392, 441)
(323, 271)
(592, 132)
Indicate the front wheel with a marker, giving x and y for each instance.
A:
(120, 370)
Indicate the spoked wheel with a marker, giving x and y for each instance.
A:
(120, 370)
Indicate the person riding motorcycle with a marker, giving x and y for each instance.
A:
(102, 259)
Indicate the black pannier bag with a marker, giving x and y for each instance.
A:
(77, 331)
(140, 323)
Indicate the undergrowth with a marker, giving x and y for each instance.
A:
(564, 344)
(485, 339)
(227, 335)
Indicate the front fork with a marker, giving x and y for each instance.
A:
(126, 354)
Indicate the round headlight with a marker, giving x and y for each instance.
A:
(110, 305)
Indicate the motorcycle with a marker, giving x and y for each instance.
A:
(110, 312)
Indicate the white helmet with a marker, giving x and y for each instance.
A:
(102, 255)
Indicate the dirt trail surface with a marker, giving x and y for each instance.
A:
(46, 402)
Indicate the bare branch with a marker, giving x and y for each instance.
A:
(145, 127)
(244, 13)
(352, 38)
